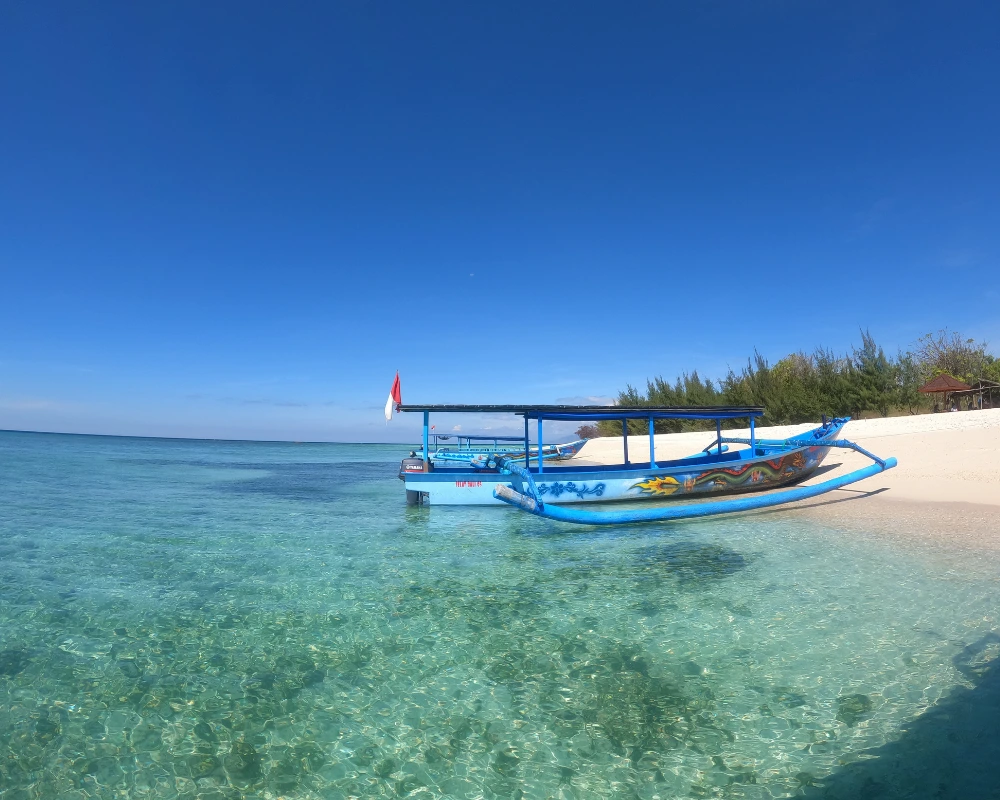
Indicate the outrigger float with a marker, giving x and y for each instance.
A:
(470, 448)
(545, 489)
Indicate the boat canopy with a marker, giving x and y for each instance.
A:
(588, 413)
(621, 414)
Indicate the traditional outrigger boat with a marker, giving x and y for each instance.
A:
(545, 489)
(467, 448)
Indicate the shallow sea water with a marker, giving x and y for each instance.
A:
(184, 619)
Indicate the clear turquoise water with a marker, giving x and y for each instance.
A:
(210, 619)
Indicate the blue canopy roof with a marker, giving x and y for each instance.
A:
(587, 413)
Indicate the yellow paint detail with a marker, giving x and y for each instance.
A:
(661, 486)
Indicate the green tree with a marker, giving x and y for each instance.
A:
(991, 369)
(802, 387)
(947, 352)
(908, 382)
(833, 383)
(874, 377)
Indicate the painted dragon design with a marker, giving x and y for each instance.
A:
(775, 470)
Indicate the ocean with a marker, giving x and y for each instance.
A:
(206, 619)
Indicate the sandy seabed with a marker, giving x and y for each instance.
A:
(946, 487)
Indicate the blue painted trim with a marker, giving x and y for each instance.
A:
(594, 412)
(640, 414)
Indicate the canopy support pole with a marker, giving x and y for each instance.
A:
(718, 433)
(427, 453)
(527, 450)
(625, 437)
(652, 444)
(753, 440)
(540, 459)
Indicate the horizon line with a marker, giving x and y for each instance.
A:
(191, 438)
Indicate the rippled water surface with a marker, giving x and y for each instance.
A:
(186, 619)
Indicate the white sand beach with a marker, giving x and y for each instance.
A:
(947, 484)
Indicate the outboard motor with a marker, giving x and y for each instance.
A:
(412, 464)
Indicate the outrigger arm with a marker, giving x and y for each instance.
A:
(531, 501)
(799, 443)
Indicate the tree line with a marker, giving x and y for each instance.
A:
(803, 386)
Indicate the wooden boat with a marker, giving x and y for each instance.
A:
(546, 489)
(467, 448)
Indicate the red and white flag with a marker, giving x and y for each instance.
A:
(395, 398)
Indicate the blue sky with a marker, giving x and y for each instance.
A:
(238, 220)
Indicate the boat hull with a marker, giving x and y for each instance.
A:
(550, 452)
(702, 476)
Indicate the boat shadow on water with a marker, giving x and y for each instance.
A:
(951, 752)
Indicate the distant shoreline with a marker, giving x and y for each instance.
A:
(408, 443)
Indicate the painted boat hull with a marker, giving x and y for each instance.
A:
(774, 465)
